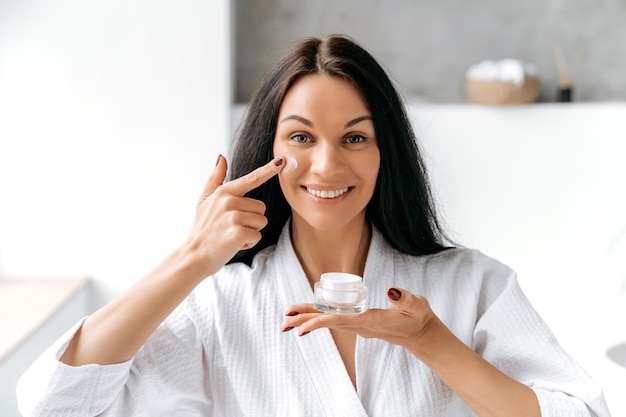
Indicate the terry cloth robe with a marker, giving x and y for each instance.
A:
(222, 353)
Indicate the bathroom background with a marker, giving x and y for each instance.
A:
(428, 45)
(113, 112)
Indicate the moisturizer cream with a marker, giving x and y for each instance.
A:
(340, 293)
(292, 164)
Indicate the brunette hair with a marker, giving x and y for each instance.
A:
(401, 207)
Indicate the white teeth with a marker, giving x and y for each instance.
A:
(326, 193)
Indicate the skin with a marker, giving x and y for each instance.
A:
(315, 126)
(225, 222)
(328, 235)
(325, 124)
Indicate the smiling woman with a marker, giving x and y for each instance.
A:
(407, 220)
(212, 329)
(326, 125)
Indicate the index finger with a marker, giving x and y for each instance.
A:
(240, 186)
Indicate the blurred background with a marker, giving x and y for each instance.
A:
(112, 114)
(427, 46)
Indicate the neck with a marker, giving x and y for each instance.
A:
(319, 251)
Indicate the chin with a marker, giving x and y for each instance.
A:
(332, 223)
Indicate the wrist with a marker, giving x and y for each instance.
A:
(436, 344)
(191, 263)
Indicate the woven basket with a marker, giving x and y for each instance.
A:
(502, 92)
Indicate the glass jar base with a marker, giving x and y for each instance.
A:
(333, 308)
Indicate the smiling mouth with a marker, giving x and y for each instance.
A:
(327, 193)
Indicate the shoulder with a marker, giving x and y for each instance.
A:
(241, 271)
(234, 276)
(218, 292)
(459, 261)
(459, 271)
(451, 262)
(460, 284)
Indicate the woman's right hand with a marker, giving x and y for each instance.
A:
(226, 221)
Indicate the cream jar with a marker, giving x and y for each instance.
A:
(340, 293)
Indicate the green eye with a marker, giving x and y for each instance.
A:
(300, 138)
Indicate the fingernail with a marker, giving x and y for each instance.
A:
(286, 329)
(218, 159)
(292, 313)
(394, 294)
(278, 161)
(305, 333)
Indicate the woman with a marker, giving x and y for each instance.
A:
(224, 325)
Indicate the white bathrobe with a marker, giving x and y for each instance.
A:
(222, 353)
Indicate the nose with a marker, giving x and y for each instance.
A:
(327, 160)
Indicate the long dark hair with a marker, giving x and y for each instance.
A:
(402, 207)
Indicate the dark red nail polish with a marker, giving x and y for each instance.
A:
(218, 159)
(292, 313)
(394, 294)
(305, 333)
(278, 161)
(286, 329)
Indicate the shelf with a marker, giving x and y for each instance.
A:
(26, 303)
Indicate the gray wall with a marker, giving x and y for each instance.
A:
(427, 45)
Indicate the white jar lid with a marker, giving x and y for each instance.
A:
(341, 281)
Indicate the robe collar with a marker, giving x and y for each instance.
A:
(317, 350)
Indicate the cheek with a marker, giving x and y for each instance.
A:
(373, 168)
(287, 177)
(291, 156)
(275, 149)
(281, 149)
(291, 165)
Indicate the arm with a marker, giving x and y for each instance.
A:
(411, 323)
(226, 222)
(496, 325)
(115, 333)
(482, 386)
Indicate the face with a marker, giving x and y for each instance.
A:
(325, 124)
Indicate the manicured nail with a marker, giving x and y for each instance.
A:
(278, 161)
(292, 313)
(286, 329)
(218, 159)
(394, 294)
(305, 333)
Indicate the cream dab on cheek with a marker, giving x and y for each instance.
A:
(292, 164)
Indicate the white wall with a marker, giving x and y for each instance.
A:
(112, 114)
(543, 189)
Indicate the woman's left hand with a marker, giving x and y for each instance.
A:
(411, 323)
(405, 323)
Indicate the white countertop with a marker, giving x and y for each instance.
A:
(26, 303)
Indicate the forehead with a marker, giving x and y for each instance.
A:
(323, 95)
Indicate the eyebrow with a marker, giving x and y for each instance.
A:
(310, 123)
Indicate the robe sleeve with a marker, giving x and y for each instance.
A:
(50, 387)
(168, 366)
(512, 336)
